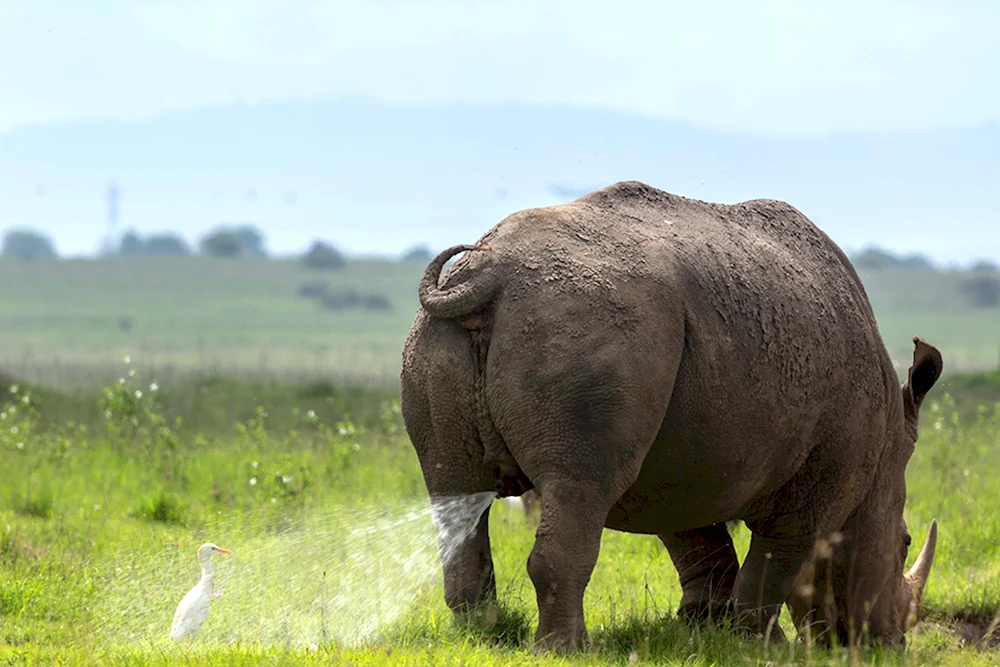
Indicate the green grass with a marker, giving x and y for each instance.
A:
(931, 305)
(334, 561)
(58, 319)
(100, 517)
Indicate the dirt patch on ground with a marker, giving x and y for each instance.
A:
(974, 628)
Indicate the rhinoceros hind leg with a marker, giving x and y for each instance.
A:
(567, 545)
(469, 578)
(707, 564)
(765, 581)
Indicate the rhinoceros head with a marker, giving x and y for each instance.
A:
(855, 583)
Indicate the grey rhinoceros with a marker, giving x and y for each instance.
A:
(661, 365)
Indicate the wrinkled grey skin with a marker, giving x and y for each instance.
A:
(661, 365)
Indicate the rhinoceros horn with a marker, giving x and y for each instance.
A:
(917, 575)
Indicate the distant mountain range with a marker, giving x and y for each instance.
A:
(377, 179)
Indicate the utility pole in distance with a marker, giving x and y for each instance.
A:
(114, 192)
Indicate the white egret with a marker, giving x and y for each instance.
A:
(193, 608)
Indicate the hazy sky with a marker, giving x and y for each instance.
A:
(919, 73)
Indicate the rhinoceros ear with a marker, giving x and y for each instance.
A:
(925, 371)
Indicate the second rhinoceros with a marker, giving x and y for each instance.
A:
(656, 364)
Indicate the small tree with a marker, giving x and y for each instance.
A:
(131, 244)
(982, 290)
(251, 239)
(167, 244)
(27, 244)
(222, 243)
(376, 302)
(230, 241)
(985, 266)
(341, 299)
(323, 257)
(418, 253)
(877, 259)
(313, 290)
(916, 262)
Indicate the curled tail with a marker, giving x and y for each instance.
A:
(458, 303)
(461, 300)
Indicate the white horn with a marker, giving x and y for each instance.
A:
(917, 575)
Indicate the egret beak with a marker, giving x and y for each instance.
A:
(225, 551)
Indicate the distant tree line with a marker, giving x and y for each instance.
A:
(165, 244)
(980, 284)
(224, 241)
(877, 259)
(27, 244)
(982, 287)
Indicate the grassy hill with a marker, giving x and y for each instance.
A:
(59, 321)
(931, 304)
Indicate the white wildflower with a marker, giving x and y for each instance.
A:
(107, 414)
(131, 372)
(121, 380)
(254, 465)
(26, 399)
(128, 359)
(13, 429)
(138, 393)
(20, 445)
(153, 386)
(311, 414)
(274, 501)
(13, 389)
(285, 479)
(253, 481)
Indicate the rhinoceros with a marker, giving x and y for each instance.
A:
(661, 365)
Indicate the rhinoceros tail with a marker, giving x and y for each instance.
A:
(461, 300)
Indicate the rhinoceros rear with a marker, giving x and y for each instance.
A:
(658, 364)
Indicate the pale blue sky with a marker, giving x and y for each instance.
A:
(397, 122)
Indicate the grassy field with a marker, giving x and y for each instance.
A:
(59, 320)
(59, 324)
(932, 306)
(107, 494)
(239, 412)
